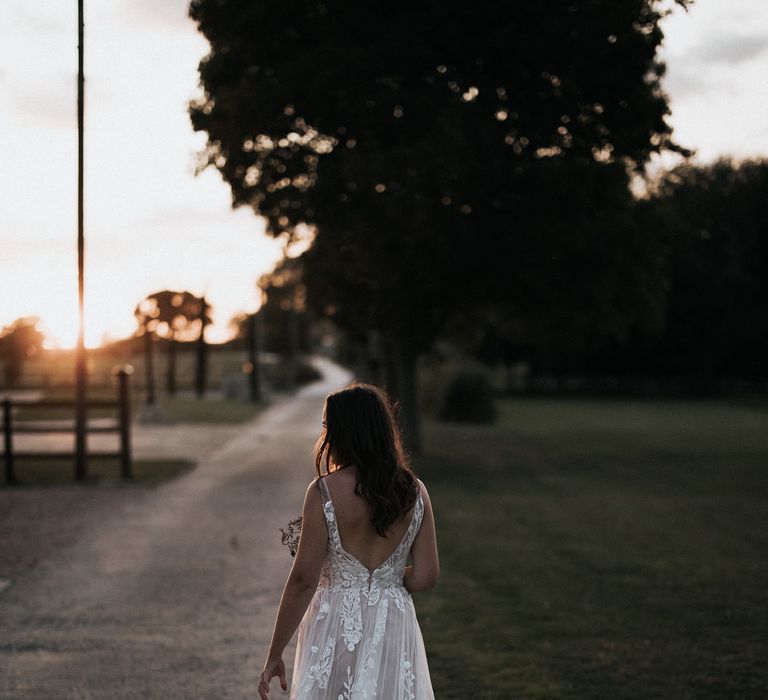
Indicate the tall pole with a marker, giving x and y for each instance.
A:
(254, 343)
(293, 340)
(201, 373)
(149, 364)
(80, 366)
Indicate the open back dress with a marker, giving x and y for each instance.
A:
(359, 637)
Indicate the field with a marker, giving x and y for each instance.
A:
(600, 549)
(52, 372)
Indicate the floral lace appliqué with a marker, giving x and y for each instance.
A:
(351, 617)
(347, 687)
(406, 678)
(318, 672)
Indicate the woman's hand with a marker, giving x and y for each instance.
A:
(272, 668)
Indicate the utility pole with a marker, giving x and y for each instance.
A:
(80, 364)
(254, 348)
(149, 366)
(201, 372)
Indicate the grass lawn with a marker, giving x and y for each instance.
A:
(59, 471)
(180, 409)
(192, 410)
(600, 549)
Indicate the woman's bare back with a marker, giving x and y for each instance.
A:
(353, 517)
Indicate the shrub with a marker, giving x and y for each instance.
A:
(306, 373)
(468, 398)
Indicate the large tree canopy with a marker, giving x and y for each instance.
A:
(429, 144)
(378, 105)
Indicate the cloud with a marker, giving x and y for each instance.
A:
(151, 14)
(22, 16)
(681, 83)
(48, 103)
(730, 50)
(182, 217)
(191, 221)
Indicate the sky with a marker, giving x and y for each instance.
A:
(150, 224)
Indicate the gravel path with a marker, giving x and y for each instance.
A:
(168, 592)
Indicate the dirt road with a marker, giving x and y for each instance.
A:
(173, 594)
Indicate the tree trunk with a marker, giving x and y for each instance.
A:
(390, 367)
(202, 353)
(254, 341)
(149, 368)
(293, 347)
(359, 358)
(170, 377)
(375, 357)
(406, 360)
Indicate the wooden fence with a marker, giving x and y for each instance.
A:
(121, 425)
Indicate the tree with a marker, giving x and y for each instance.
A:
(201, 355)
(406, 132)
(18, 342)
(592, 278)
(174, 316)
(283, 318)
(176, 322)
(713, 223)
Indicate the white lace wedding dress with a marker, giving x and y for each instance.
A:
(359, 637)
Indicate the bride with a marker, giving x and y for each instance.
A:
(349, 590)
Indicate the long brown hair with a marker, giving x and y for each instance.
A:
(360, 429)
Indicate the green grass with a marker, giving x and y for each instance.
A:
(149, 472)
(56, 368)
(600, 549)
(183, 410)
(173, 410)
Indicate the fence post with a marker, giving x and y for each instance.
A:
(10, 477)
(124, 407)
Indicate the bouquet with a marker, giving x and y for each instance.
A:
(291, 535)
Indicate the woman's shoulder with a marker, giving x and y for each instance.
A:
(314, 490)
(338, 482)
(423, 490)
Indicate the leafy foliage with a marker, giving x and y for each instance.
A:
(170, 314)
(19, 341)
(713, 223)
(412, 135)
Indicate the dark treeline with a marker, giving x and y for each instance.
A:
(689, 298)
(711, 228)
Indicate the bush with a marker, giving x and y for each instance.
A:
(469, 399)
(306, 373)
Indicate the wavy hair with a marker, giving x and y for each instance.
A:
(360, 429)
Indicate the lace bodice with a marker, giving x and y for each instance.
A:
(343, 570)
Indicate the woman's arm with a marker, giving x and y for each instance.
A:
(425, 568)
(300, 586)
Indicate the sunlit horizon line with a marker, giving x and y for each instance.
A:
(51, 341)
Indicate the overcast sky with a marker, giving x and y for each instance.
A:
(151, 225)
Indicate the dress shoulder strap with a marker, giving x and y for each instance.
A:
(418, 515)
(323, 489)
(330, 513)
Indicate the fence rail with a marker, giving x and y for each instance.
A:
(121, 425)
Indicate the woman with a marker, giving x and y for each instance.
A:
(349, 590)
